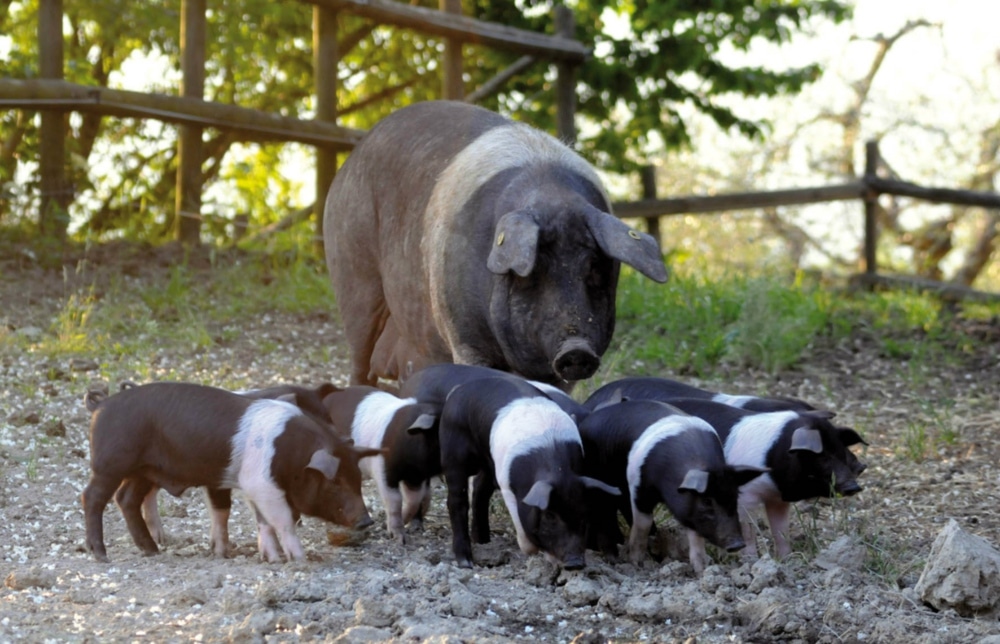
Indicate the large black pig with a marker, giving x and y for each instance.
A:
(454, 234)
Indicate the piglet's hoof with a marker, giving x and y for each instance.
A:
(463, 563)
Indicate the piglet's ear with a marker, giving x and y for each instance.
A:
(600, 485)
(288, 398)
(367, 452)
(421, 423)
(850, 437)
(515, 244)
(695, 481)
(325, 463)
(806, 440)
(747, 473)
(538, 495)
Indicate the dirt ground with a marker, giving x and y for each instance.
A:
(850, 578)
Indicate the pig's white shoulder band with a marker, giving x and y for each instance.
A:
(526, 425)
(252, 447)
(662, 429)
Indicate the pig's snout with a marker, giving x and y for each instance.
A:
(848, 488)
(574, 562)
(735, 544)
(575, 360)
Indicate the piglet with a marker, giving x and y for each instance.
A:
(180, 435)
(667, 390)
(521, 442)
(406, 433)
(806, 455)
(653, 453)
(433, 384)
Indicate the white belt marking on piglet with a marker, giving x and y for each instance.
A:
(371, 419)
(523, 426)
(506, 146)
(732, 401)
(662, 429)
(252, 446)
(748, 443)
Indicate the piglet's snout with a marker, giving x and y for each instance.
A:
(848, 488)
(734, 544)
(364, 521)
(575, 360)
(574, 562)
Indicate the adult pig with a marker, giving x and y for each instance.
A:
(654, 453)
(454, 234)
(179, 435)
(518, 441)
(406, 432)
(806, 455)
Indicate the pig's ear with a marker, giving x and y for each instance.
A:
(325, 463)
(695, 481)
(326, 389)
(850, 437)
(628, 245)
(93, 399)
(422, 423)
(289, 398)
(366, 452)
(745, 473)
(538, 495)
(806, 440)
(600, 485)
(515, 244)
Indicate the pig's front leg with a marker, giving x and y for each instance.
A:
(274, 518)
(696, 552)
(220, 501)
(749, 528)
(267, 542)
(416, 502)
(458, 513)
(778, 520)
(151, 514)
(638, 537)
(392, 501)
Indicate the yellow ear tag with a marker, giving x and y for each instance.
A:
(634, 234)
(500, 240)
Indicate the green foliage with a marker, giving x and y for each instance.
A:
(632, 92)
(693, 324)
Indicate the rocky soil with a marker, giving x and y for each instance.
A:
(933, 429)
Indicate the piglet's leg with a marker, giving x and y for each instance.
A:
(749, 528)
(416, 501)
(151, 514)
(220, 502)
(95, 498)
(130, 497)
(275, 513)
(777, 517)
(458, 513)
(638, 537)
(267, 542)
(392, 501)
(696, 552)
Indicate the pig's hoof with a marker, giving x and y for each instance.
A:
(416, 525)
(464, 563)
(101, 558)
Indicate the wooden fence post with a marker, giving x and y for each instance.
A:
(871, 209)
(325, 62)
(187, 202)
(565, 79)
(453, 87)
(648, 176)
(55, 192)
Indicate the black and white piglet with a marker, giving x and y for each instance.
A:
(405, 430)
(179, 435)
(667, 390)
(654, 453)
(521, 442)
(806, 455)
(663, 389)
(433, 384)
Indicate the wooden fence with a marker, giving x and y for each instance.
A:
(53, 96)
(867, 188)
